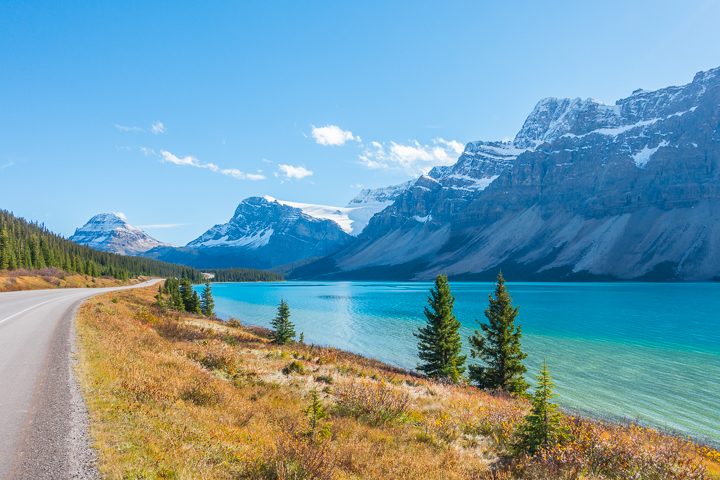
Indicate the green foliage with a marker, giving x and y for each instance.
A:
(245, 275)
(207, 302)
(498, 346)
(283, 328)
(294, 367)
(27, 245)
(316, 413)
(542, 428)
(439, 342)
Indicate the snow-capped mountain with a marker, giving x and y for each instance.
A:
(585, 190)
(262, 233)
(111, 233)
(354, 217)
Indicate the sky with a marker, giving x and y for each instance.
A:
(172, 112)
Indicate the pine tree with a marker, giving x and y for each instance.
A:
(542, 428)
(195, 304)
(498, 346)
(186, 293)
(283, 328)
(316, 413)
(439, 343)
(207, 302)
(4, 249)
(159, 298)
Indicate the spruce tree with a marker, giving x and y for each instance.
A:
(542, 428)
(439, 342)
(283, 328)
(207, 302)
(498, 346)
(195, 304)
(186, 292)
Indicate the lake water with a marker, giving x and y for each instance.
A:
(641, 351)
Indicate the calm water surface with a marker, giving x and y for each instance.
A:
(647, 352)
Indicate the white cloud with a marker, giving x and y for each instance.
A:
(414, 158)
(6, 165)
(332, 135)
(292, 171)
(128, 128)
(190, 161)
(157, 226)
(121, 215)
(157, 128)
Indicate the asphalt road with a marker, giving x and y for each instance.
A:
(43, 421)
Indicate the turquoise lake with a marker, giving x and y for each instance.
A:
(640, 351)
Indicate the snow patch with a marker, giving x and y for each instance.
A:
(642, 157)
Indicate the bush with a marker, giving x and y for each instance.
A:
(234, 323)
(201, 393)
(299, 459)
(324, 379)
(294, 367)
(375, 402)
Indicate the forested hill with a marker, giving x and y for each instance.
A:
(31, 246)
(244, 275)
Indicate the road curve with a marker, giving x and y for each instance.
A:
(43, 424)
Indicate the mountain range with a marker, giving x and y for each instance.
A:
(585, 191)
(264, 232)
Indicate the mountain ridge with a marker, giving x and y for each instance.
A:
(584, 191)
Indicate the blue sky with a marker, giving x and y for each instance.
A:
(173, 112)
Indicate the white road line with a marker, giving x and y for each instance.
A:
(34, 307)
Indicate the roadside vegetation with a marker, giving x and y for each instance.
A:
(21, 279)
(174, 394)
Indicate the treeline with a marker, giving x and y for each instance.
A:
(178, 294)
(245, 275)
(31, 246)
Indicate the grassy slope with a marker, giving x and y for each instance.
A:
(183, 397)
(53, 278)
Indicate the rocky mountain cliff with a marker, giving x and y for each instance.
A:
(584, 191)
(111, 233)
(263, 233)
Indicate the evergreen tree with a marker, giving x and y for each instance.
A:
(207, 302)
(316, 413)
(283, 328)
(498, 346)
(29, 245)
(186, 292)
(159, 298)
(439, 342)
(4, 249)
(196, 306)
(542, 428)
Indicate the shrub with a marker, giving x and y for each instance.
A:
(299, 459)
(294, 367)
(375, 402)
(324, 379)
(201, 393)
(234, 323)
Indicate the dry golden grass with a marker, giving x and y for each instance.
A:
(11, 281)
(181, 397)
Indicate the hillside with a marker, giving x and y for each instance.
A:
(585, 190)
(186, 397)
(31, 246)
